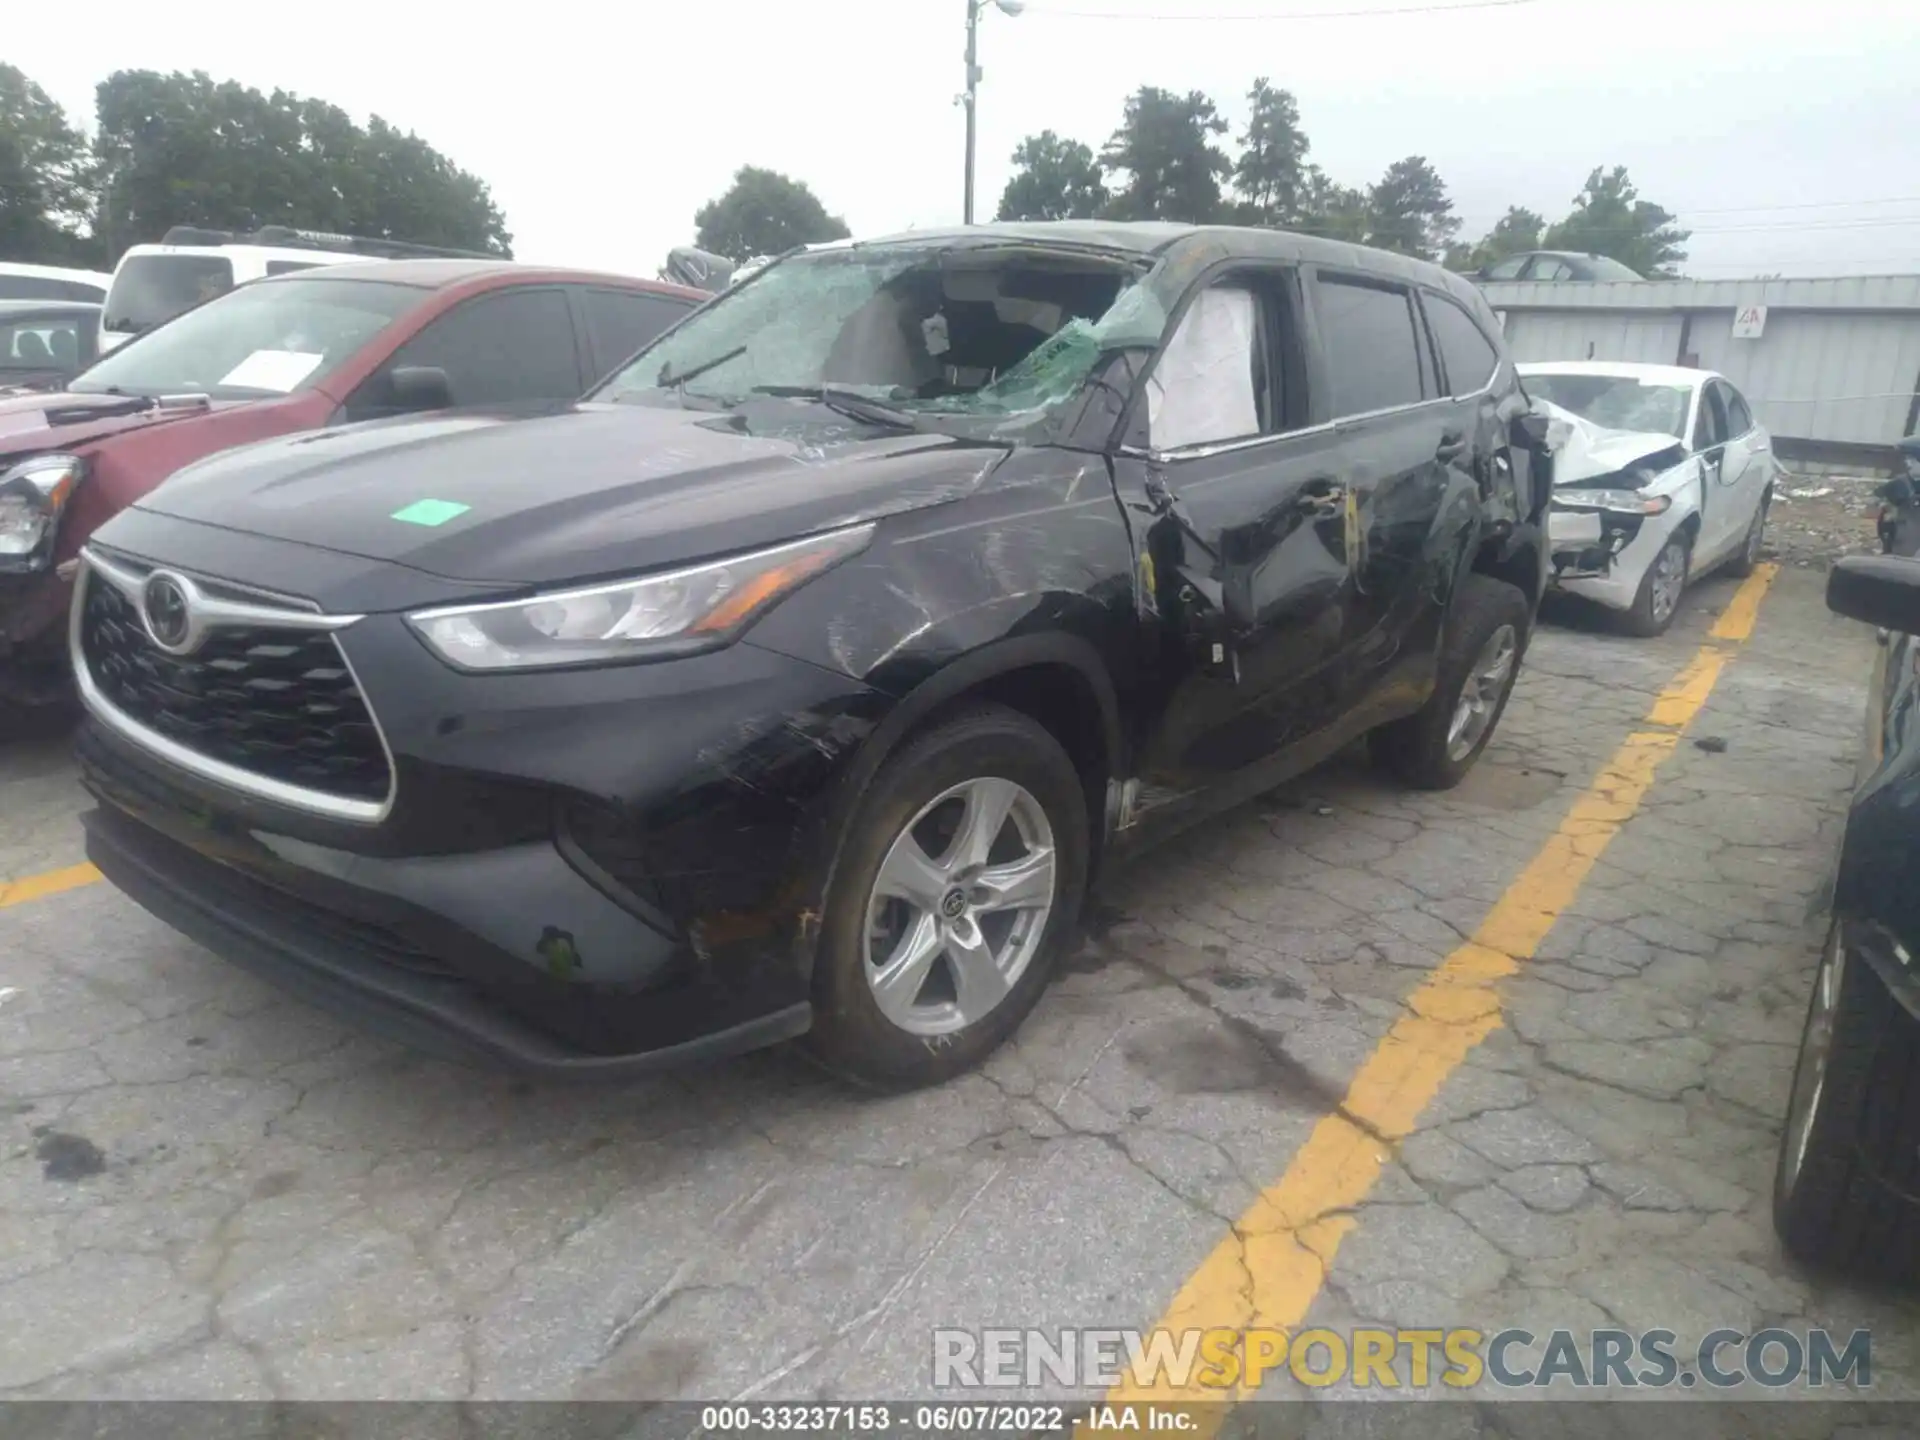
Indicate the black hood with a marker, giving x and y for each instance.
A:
(575, 492)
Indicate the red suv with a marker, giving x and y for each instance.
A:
(321, 347)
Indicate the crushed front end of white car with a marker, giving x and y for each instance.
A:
(1617, 495)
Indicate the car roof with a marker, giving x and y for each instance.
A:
(1589, 258)
(28, 309)
(1153, 238)
(439, 274)
(1683, 375)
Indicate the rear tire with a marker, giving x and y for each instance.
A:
(1661, 589)
(1828, 1208)
(942, 1016)
(1435, 747)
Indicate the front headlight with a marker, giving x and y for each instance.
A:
(1626, 502)
(33, 496)
(676, 613)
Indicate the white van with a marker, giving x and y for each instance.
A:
(153, 283)
(51, 282)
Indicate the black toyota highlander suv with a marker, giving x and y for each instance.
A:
(798, 679)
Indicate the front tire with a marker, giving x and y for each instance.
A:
(1827, 1208)
(1486, 632)
(960, 877)
(1658, 599)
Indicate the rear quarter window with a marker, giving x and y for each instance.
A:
(1470, 357)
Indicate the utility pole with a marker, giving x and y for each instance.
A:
(971, 93)
(973, 87)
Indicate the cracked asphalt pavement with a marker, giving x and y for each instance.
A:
(208, 1190)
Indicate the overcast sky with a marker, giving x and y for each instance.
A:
(1785, 135)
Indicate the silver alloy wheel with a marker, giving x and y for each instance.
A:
(1810, 1078)
(958, 906)
(1669, 579)
(1487, 680)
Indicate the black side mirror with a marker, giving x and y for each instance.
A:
(1529, 431)
(418, 387)
(1882, 590)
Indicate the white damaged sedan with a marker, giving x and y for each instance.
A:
(1661, 475)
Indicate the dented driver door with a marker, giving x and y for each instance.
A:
(1242, 518)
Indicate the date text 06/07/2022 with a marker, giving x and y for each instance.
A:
(879, 1419)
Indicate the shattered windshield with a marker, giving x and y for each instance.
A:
(1617, 402)
(936, 334)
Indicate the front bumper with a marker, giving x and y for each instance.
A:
(583, 872)
(1602, 556)
(369, 974)
(33, 614)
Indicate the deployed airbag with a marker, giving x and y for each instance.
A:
(1202, 389)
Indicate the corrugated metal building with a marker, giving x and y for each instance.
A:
(1831, 366)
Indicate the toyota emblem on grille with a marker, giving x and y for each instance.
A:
(166, 604)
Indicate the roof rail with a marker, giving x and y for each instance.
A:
(293, 238)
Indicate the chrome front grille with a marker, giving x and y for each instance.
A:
(262, 699)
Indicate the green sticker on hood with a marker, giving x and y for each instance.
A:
(430, 512)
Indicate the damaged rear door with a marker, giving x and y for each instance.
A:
(1241, 517)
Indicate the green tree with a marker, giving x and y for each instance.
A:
(1332, 210)
(1408, 210)
(45, 177)
(1515, 233)
(1271, 176)
(1164, 150)
(1609, 218)
(401, 188)
(183, 149)
(763, 213)
(1053, 179)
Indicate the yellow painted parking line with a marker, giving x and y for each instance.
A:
(1266, 1273)
(1736, 621)
(50, 882)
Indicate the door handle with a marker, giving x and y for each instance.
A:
(1452, 447)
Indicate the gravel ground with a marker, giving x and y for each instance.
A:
(1816, 519)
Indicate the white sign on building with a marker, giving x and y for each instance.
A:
(1749, 322)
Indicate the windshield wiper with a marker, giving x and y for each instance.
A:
(679, 382)
(850, 403)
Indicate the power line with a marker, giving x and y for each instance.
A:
(1488, 217)
(1790, 228)
(1808, 205)
(1371, 12)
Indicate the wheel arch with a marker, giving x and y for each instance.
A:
(1057, 679)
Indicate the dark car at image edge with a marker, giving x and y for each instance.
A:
(1847, 1183)
(800, 679)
